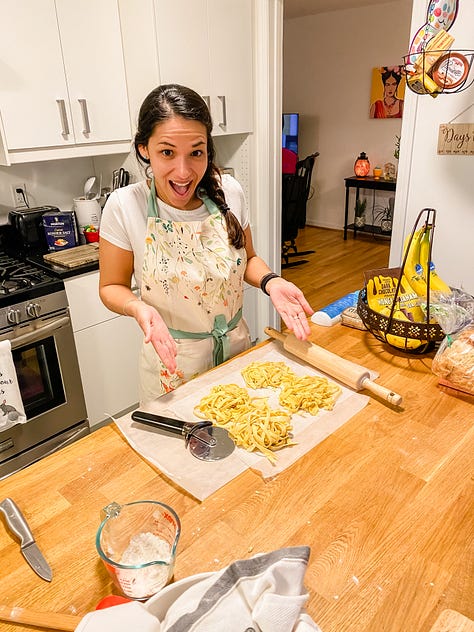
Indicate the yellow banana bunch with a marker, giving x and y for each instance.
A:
(413, 270)
(406, 243)
(436, 283)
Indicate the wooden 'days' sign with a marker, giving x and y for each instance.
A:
(456, 139)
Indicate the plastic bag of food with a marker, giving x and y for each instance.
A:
(454, 360)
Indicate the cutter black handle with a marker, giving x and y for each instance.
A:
(176, 426)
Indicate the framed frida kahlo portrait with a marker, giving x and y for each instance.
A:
(387, 92)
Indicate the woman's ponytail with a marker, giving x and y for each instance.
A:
(212, 183)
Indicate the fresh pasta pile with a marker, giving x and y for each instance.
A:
(308, 393)
(251, 422)
(264, 374)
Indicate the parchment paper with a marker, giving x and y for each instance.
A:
(200, 478)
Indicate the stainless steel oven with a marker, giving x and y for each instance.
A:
(44, 354)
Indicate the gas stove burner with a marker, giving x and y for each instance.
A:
(21, 280)
(15, 276)
(9, 286)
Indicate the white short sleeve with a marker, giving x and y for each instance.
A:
(124, 218)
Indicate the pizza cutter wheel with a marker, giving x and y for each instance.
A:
(204, 440)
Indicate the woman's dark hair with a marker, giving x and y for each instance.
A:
(168, 101)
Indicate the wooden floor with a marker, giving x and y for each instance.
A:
(337, 266)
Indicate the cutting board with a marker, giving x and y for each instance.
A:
(452, 621)
(73, 257)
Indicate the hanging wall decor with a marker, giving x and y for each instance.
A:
(432, 66)
(387, 92)
(456, 139)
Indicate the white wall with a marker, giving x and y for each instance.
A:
(54, 182)
(429, 180)
(327, 64)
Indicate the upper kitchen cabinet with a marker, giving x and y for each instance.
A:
(207, 45)
(63, 90)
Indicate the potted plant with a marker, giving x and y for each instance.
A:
(385, 216)
(359, 212)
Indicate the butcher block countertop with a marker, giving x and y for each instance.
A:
(385, 503)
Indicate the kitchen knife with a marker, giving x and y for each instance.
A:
(19, 526)
(115, 179)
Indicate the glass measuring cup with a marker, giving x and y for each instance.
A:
(137, 543)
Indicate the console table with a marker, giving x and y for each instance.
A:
(368, 182)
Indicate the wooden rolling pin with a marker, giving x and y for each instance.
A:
(49, 620)
(353, 375)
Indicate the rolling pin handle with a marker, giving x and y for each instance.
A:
(273, 333)
(381, 391)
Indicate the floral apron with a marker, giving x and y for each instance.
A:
(194, 278)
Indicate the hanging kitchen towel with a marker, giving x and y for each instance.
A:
(11, 404)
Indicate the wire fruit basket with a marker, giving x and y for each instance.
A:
(449, 74)
(409, 336)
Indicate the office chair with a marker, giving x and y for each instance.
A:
(295, 192)
(304, 168)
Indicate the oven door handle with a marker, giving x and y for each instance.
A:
(41, 332)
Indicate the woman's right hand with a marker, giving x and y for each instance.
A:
(155, 331)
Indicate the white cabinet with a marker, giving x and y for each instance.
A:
(207, 45)
(63, 80)
(108, 347)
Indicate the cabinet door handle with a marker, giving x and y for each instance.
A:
(85, 116)
(224, 112)
(63, 116)
(207, 100)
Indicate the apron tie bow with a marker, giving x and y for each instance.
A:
(221, 351)
(221, 340)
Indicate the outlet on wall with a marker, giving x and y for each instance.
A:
(20, 199)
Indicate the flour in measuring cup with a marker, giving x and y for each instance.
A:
(140, 583)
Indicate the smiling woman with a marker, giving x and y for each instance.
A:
(184, 234)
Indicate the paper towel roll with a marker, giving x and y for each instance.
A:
(87, 213)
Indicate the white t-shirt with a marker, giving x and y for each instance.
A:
(124, 218)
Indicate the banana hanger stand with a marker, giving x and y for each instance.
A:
(406, 335)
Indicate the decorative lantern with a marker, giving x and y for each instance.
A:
(362, 165)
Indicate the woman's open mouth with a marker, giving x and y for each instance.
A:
(180, 189)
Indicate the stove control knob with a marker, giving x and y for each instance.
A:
(33, 310)
(13, 316)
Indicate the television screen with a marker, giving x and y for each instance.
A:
(290, 131)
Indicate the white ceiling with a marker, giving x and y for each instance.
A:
(299, 8)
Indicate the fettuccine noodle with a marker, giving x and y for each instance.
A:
(263, 374)
(308, 393)
(250, 421)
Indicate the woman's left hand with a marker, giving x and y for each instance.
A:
(290, 303)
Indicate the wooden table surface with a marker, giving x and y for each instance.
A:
(385, 503)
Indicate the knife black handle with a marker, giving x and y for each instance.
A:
(176, 426)
(16, 521)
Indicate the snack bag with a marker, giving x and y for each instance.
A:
(454, 360)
